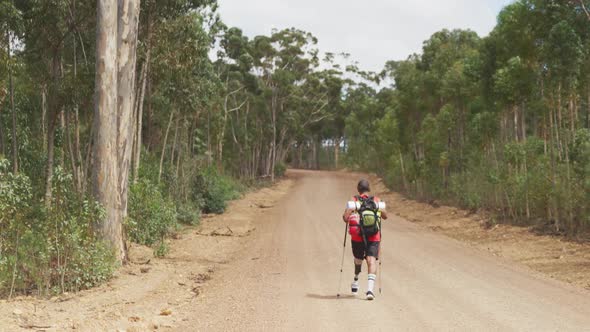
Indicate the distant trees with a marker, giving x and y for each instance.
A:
(491, 123)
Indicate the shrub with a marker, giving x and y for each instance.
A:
(280, 169)
(213, 190)
(188, 214)
(49, 250)
(151, 216)
(161, 249)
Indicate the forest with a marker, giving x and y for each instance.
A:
(122, 120)
(499, 123)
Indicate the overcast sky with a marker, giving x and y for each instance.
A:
(372, 31)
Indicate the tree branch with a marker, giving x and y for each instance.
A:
(237, 108)
(229, 95)
(581, 2)
(311, 120)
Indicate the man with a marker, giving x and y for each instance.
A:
(364, 247)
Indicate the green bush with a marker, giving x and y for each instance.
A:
(213, 190)
(280, 170)
(93, 265)
(188, 215)
(151, 216)
(49, 250)
(161, 249)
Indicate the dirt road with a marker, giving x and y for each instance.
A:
(274, 262)
(429, 282)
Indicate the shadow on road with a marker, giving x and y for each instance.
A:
(330, 297)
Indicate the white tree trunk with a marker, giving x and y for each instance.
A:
(12, 109)
(105, 168)
(164, 145)
(140, 121)
(128, 21)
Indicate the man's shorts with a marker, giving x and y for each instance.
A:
(360, 252)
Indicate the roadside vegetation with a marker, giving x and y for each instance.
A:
(197, 131)
(498, 123)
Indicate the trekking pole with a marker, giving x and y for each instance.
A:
(380, 263)
(342, 263)
(380, 271)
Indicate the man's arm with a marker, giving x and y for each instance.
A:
(382, 211)
(347, 214)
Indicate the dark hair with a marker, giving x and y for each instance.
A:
(363, 186)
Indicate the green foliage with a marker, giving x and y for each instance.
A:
(189, 214)
(15, 193)
(499, 123)
(45, 251)
(214, 190)
(161, 249)
(151, 215)
(280, 170)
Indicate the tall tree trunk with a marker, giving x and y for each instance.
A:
(106, 142)
(525, 164)
(337, 152)
(44, 115)
(573, 114)
(515, 110)
(62, 129)
(2, 149)
(12, 107)
(178, 157)
(128, 21)
(138, 133)
(70, 148)
(209, 152)
(164, 145)
(274, 136)
(554, 204)
(141, 100)
(175, 143)
(403, 169)
(523, 125)
(559, 123)
(51, 126)
(73, 151)
(88, 158)
(78, 150)
(50, 160)
(79, 170)
(300, 155)
(149, 114)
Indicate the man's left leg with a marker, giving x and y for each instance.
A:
(358, 251)
(372, 256)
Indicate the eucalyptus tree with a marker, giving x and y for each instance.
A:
(116, 44)
(286, 64)
(11, 29)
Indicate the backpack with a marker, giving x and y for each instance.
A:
(370, 219)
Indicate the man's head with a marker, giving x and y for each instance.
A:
(363, 186)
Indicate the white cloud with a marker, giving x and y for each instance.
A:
(372, 31)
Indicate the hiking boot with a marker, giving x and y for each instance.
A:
(370, 296)
(354, 287)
